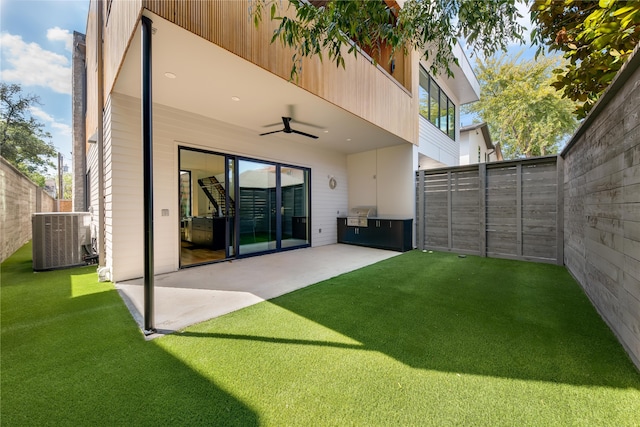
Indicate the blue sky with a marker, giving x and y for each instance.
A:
(35, 51)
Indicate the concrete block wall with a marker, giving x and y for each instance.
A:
(78, 108)
(19, 198)
(602, 207)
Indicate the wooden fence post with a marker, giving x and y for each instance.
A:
(449, 212)
(421, 212)
(519, 209)
(560, 211)
(482, 208)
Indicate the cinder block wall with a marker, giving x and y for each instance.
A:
(602, 207)
(19, 198)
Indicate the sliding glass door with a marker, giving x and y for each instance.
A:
(206, 211)
(231, 206)
(257, 207)
(294, 185)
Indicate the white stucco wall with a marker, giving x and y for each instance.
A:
(173, 128)
(383, 178)
(469, 143)
(438, 146)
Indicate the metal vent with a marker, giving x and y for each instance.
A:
(58, 239)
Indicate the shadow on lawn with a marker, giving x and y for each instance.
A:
(474, 315)
(82, 360)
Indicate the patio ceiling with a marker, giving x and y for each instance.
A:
(209, 78)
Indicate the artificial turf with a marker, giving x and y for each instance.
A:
(419, 339)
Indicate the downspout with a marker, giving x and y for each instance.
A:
(147, 159)
(101, 212)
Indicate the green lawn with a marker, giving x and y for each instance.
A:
(419, 339)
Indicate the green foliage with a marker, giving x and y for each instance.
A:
(525, 114)
(23, 142)
(337, 27)
(67, 186)
(596, 38)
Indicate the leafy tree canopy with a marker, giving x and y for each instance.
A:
(23, 142)
(524, 113)
(596, 38)
(333, 27)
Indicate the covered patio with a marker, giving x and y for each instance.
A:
(196, 294)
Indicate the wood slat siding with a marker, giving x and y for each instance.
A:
(361, 88)
(602, 211)
(506, 210)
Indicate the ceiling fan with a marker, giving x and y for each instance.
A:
(291, 113)
(287, 129)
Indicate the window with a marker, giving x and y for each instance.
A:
(436, 106)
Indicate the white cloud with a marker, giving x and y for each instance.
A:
(62, 128)
(31, 65)
(58, 34)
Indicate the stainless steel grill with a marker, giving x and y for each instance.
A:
(358, 216)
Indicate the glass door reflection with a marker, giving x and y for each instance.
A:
(204, 202)
(295, 206)
(257, 208)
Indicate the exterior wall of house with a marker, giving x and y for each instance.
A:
(361, 88)
(383, 178)
(174, 128)
(464, 148)
(438, 146)
(602, 206)
(470, 141)
(92, 189)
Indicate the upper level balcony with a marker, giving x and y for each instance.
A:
(208, 54)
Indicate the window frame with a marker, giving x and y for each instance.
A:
(445, 123)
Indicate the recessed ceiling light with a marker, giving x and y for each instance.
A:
(235, 98)
(348, 139)
(170, 75)
(326, 131)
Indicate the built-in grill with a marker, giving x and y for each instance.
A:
(358, 216)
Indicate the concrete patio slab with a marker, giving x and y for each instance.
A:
(196, 294)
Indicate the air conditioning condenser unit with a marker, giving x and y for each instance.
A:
(58, 239)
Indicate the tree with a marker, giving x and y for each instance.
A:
(596, 38)
(332, 26)
(23, 141)
(524, 113)
(67, 186)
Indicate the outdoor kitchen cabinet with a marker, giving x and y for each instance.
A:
(382, 233)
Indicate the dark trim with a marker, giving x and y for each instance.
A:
(236, 228)
(147, 159)
(278, 207)
(627, 70)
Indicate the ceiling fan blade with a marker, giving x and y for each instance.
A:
(272, 124)
(311, 125)
(269, 133)
(292, 114)
(304, 133)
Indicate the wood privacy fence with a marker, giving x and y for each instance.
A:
(505, 210)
